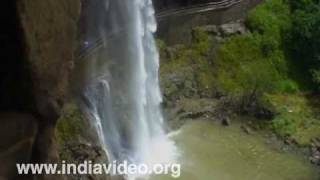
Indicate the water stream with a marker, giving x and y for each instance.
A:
(122, 96)
(122, 92)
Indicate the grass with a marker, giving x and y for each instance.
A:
(261, 63)
(253, 62)
(298, 116)
(190, 60)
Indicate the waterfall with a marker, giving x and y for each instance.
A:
(122, 89)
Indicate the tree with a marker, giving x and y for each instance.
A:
(304, 36)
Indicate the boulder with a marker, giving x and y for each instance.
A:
(231, 29)
(246, 129)
(225, 121)
(211, 30)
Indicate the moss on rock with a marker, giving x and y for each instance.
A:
(71, 124)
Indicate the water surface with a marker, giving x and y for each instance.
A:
(213, 152)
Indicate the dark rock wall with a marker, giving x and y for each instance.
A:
(18, 126)
(50, 29)
(38, 40)
(13, 68)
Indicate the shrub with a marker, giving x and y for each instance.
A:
(304, 37)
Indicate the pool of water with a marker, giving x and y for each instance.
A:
(209, 151)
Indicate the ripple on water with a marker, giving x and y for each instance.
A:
(212, 152)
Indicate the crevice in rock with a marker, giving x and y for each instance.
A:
(15, 78)
(18, 126)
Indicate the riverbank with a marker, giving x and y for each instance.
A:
(208, 151)
(241, 70)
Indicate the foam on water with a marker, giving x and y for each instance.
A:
(124, 97)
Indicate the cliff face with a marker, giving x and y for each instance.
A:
(169, 4)
(50, 30)
(176, 28)
(39, 40)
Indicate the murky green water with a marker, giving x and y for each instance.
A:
(212, 152)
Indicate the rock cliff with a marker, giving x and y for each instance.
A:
(39, 39)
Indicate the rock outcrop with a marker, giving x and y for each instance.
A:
(174, 29)
(50, 29)
(39, 39)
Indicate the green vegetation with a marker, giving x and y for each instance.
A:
(191, 60)
(298, 116)
(304, 38)
(276, 65)
(277, 59)
(245, 69)
(257, 61)
(265, 62)
(70, 124)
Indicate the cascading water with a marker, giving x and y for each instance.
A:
(122, 91)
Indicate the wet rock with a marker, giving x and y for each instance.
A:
(190, 109)
(170, 52)
(212, 30)
(192, 115)
(246, 129)
(315, 158)
(78, 152)
(179, 84)
(226, 121)
(232, 29)
(263, 113)
(316, 143)
(287, 142)
(315, 151)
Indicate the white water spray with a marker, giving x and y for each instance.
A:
(122, 93)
